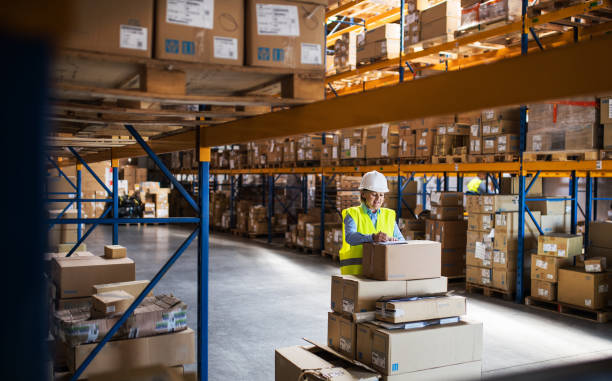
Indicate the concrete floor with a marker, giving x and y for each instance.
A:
(264, 297)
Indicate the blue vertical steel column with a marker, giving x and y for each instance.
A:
(305, 193)
(521, 216)
(263, 189)
(399, 198)
(115, 164)
(79, 193)
(574, 196)
(459, 183)
(445, 182)
(231, 205)
(402, 26)
(595, 182)
(424, 193)
(587, 208)
(322, 231)
(438, 184)
(203, 260)
(270, 205)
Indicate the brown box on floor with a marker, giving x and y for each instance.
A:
(169, 350)
(208, 31)
(544, 290)
(75, 277)
(588, 290)
(503, 280)
(404, 261)
(112, 26)
(285, 33)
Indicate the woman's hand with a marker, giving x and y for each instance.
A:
(381, 237)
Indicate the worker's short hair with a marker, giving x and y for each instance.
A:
(362, 195)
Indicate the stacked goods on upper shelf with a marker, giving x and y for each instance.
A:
(441, 20)
(412, 24)
(407, 141)
(448, 227)
(209, 32)
(289, 152)
(409, 196)
(451, 138)
(256, 154)
(330, 151)
(380, 43)
(99, 291)
(412, 229)
(285, 33)
(605, 117)
(345, 52)
(309, 147)
(571, 124)
(382, 141)
(114, 26)
(382, 319)
(554, 251)
(477, 12)
(238, 156)
(274, 155)
(500, 131)
(352, 143)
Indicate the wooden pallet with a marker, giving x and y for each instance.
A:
(455, 278)
(473, 288)
(381, 161)
(352, 162)
(307, 163)
(449, 159)
(308, 250)
(334, 256)
(566, 155)
(598, 316)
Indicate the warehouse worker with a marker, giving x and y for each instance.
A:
(367, 222)
(477, 185)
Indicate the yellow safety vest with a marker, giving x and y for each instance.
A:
(351, 256)
(474, 184)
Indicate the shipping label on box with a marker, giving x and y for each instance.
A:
(544, 267)
(480, 257)
(503, 260)
(481, 221)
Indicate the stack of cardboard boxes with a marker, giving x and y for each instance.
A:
(412, 25)
(605, 118)
(219, 201)
(409, 196)
(382, 141)
(398, 320)
(242, 215)
(258, 220)
(289, 151)
(555, 251)
(333, 238)
(448, 227)
(451, 139)
(352, 143)
(345, 52)
(330, 151)
(441, 20)
(309, 147)
(347, 193)
(500, 131)
(411, 229)
(134, 176)
(478, 12)
(90, 295)
(378, 44)
(571, 124)
(407, 142)
(156, 202)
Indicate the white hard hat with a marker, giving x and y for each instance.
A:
(374, 181)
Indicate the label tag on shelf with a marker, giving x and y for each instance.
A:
(598, 163)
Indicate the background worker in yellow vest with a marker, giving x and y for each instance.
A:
(368, 222)
(477, 185)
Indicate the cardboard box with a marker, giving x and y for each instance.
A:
(333, 329)
(504, 260)
(588, 290)
(607, 136)
(110, 303)
(503, 280)
(447, 212)
(493, 203)
(451, 234)
(544, 267)
(359, 294)
(397, 352)
(480, 257)
(595, 265)
(383, 32)
(508, 223)
(478, 275)
(500, 127)
(347, 340)
(550, 207)
(208, 31)
(73, 303)
(506, 113)
(115, 251)
(560, 245)
(384, 49)
(453, 262)
(113, 26)
(605, 115)
(510, 185)
(489, 144)
(133, 288)
(404, 311)
(336, 293)
(555, 223)
(600, 234)
(363, 351)
(168, 350)
(544, 290)
(465, 371)
(284, 33)
(484, 222)
(446, 198)
(75, 277)
(507, 143)
(475, 145)
(473, 237)
(292, 362)
(410, 260)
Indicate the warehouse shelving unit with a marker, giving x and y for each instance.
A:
(181, 128)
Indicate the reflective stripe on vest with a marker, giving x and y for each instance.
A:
(474, 184)
(351, 256)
